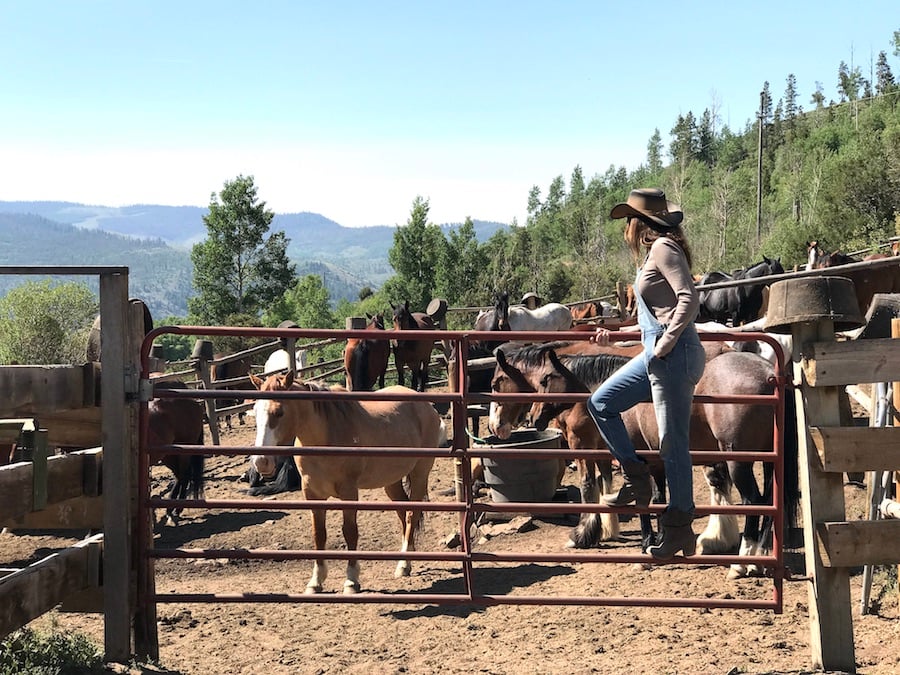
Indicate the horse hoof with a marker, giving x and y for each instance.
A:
(570, 544)
(736, 572)
(312, 590)
(351, 587)
(641, 566)
(404, 571)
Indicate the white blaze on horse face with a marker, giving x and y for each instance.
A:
(265, 435)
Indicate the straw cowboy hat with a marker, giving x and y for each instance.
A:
(651, 206)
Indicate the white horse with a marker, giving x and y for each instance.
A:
(279, 361)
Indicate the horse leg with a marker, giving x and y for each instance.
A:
(721, 534)
(408, 518)
(589, 529)
(320, 537)
(351, 536)
(745, 481)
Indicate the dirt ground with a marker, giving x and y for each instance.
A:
(196, 639)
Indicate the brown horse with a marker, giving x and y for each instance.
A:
(346, 423)
(174, 421)
(722, 427)
(366, 361)
(415, 354)
(230, 375)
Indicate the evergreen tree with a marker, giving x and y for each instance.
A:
(654, 152)
(415, 257)
(884, 78)
(238, 270)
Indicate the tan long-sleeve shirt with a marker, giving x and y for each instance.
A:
(668, 290)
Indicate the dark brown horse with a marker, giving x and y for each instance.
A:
(174, 421)
(230, 375)
(366, 361)
(414, 354)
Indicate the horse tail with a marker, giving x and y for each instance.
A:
(791, 461)
(195, 475)
(359, 369)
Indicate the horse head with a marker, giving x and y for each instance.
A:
(501, 310)
(505, 416)
(402, 317)
(375, 321)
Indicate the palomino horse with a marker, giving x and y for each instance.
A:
(347, 423)
(178, 420)
(714, 426)
(738, 304)
(366, 361)
(415, 354)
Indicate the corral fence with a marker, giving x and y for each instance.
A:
(117, 568)
(465, 505)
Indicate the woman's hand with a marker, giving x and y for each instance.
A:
(600, 336)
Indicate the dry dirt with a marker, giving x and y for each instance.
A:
(197, 639)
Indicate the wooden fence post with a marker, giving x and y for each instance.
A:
(203, 354)
(806, 307)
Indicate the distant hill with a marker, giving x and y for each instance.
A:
(154, 242)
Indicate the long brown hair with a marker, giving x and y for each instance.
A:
(640, 235)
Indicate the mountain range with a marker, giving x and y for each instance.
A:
(154, 242)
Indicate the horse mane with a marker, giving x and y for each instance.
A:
(531, 355)
(593, 368)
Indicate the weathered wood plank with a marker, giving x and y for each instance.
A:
(65, 481)
(828, 364)
(861, 542)
(75, 514)
(857, 448)
(31, 391)
(38, 588)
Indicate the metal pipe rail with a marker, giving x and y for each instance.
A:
(467, 507)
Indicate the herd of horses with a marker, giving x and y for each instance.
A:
(545, 367)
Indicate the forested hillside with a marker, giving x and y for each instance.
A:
(830, 172)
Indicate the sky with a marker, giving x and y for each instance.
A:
(353, 109)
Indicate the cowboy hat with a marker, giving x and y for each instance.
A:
(651, 206)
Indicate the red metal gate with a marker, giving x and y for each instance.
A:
(467, 507)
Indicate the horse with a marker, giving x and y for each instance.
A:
(272, 475)
(178, 420)
(366, 361)
(552, 316)
(415, 354)
(737, 304)
(280, 361)
(592, 310)
(92, 349)
(714, 426)
(516, 371)
(346, 423)
(234, 372)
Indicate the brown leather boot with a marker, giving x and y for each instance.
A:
(677, 535)
(637, 489)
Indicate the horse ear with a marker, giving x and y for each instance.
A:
(406, 305)
(257, 382)
(289, 378)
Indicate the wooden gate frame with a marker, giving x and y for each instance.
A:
(119, 380)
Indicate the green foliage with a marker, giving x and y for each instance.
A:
(306, 303)
(42, 322)
(175, 347)
(55, 653)
(237, 269)
(415, 257)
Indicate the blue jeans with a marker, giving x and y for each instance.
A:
(669, 383)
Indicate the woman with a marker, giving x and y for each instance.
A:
(666, 372)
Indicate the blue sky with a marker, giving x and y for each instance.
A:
(352, 109)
